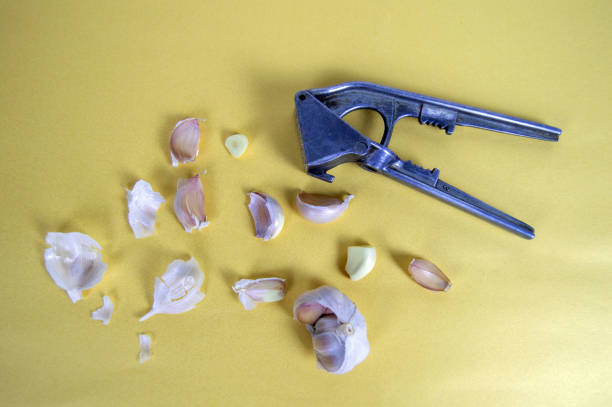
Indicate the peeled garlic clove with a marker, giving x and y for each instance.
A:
(189, 204)
(144, 342)
(143, 204)
(321, 208)
(74, 262)
(185, 141)
(267, 215)
(236, 144)
(105, 312)
(252, 292)
(178, 290)
(360, 261)
(339, 333)
(427, 275)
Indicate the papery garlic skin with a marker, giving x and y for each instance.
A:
(189, 204)
(268, 215)
(105, 312)
(178, 290)
(143, 204)
(339, 332)
(427, 275)
(144, 342)
(321, 208)
(185, 141)
(252, 292)
(74, 262)
(360, 261)
(236, 144)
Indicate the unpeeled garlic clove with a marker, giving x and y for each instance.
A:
(339, 333)
(105, 312)
(74, 262)
(320, 208)
(267, 214)
(185, 141)
(236, 144)
(427, 275)
(143, 204)
(360, 261)
(189, 204)
(252, 292)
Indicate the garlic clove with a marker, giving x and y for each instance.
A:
(185, 141)
(144, 342)
(427, 275)
(360, 261)
(252, 292)
(329, 350)
(189, 204)
(267, 214)
(105, 312)
(74, 262)
(237, 144)
(178, 290)
(143, 204)
(321, 208)
(309, 313)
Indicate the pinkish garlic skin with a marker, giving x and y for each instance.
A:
(185, 141)
(428, 275)
(189, 204)
(320, 208)
(268, 216)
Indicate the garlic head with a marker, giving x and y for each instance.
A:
(321, 208)
(360, 261)
(267, 214)
(252, 292)
(189, 204)
(143, 204)
(185, 141)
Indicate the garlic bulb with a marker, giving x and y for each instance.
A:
(144, 342)
(339, 334)
(236, 144)
(178, 290)
(74, 262)
(267, 215)
(360, 261)
(252, 292)
(427, 275)
(143, 204)
(189, 204)
(321, 208)
(105, 312)
(185, 141)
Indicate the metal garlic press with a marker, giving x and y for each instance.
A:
(328, 141)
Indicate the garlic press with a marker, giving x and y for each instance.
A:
(328, 141)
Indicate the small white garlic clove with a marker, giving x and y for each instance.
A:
(185, 141)
(189, 204)
(105, 312)
(178, 290)
(143, 204)
(236, 144)
(252, 292)
(320, 208)
(74, 262)
(360, 261)
(144, 342)
(267, 214)
(427, 275)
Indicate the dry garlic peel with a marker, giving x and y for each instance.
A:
(143, 204)
(427, 275)
(252, 292)
(267, 214)
(236, 144)
(339, 334)
(178, 290)
(105, 312)
(74, 262)
(189, 204)
(321, 208)
(360, 261)
(144, 342)
(185, 141)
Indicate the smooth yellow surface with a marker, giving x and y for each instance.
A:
(89, 93)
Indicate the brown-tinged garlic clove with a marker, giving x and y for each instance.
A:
(320, 208)
(185, 141)
(189, 204)
(427, 275)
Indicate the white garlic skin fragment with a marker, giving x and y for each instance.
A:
(105, 312)
(74, 262)
(143, 204)
(427, 275)
(185, 141)
(339, 333)
(144, 342)
(189, 204)
(236, 144)
(360, 261)
(267, 214)
(178, 290)
(252, 292)
(321, 208)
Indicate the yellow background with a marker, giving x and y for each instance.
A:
(89, 93)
